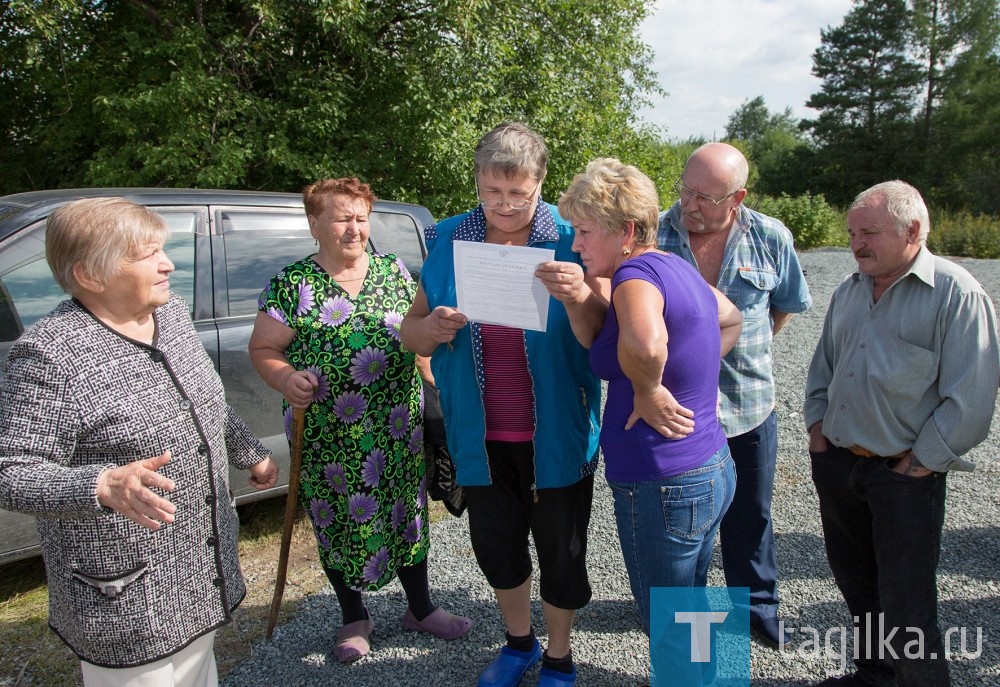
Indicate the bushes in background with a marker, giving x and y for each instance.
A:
(812, 221)
(815, 223)
(962, 234)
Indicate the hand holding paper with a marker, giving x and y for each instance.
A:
(564, 280)
(443, 322)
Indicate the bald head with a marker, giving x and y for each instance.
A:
(719, 162)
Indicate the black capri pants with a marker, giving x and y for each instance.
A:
(502, 514)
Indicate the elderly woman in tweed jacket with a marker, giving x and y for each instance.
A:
(115, 432)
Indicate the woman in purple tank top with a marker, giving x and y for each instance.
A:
(666, 457)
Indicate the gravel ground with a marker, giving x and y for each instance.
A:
(607, 644)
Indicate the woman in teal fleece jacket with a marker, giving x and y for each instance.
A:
(521, 407)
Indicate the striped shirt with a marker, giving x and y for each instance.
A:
(760, 272)
(507, 394)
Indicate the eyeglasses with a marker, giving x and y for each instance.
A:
(496, 201)
(685, 193)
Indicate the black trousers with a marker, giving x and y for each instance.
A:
(502, 515)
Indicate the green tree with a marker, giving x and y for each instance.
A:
(958, 43)
(271, 94)
(951, 37)
(777, 147)
(752, 121)
(966, 161)
(864, 131)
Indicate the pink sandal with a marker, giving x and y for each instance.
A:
(440, 623)
(352, 640)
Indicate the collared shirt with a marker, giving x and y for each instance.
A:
(760, 271)
(472, 227)
(918, 370)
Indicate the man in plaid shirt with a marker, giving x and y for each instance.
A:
(750, 258)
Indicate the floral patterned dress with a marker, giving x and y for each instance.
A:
(362, 479)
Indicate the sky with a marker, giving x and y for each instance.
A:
(713, 55)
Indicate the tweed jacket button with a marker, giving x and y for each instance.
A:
(211, 541)
(217, 581)
(185, 404)
(202, 449)
(209, 500)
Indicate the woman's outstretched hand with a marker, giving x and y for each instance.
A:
(129, 490)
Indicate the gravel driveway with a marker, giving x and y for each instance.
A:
(608, 646)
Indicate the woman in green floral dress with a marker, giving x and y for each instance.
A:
(327, 338)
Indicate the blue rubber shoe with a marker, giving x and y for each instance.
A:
(509, 667)
(554, 678)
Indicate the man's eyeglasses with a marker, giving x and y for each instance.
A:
(686, 194)
(495, 201)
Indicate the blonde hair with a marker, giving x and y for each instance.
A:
(613, 194)
(98, 234)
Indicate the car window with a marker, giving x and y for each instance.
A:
(8, 210)
(259, 243)
(179, 247)
(28, 291)
(397, 233)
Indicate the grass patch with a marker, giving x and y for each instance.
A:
(23, 591)
(30, 653)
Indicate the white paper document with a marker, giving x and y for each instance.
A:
(497, 284)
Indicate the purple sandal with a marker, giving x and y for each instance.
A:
(440, 623)
(352, 640)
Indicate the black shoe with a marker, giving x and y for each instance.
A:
(770, 632)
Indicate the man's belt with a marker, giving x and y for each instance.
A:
(865, 453)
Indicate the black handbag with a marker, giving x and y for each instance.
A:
(441, 484)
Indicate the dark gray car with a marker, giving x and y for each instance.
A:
(225, 245)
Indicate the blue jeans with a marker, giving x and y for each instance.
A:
(883, 541)
(747, 535)
(667, 527)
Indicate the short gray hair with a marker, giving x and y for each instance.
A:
(512, 149)
(612, 193)
(903, 203)
(98, 234)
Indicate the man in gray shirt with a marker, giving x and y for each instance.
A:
(903, 383)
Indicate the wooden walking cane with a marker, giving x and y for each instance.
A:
(291, 508)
